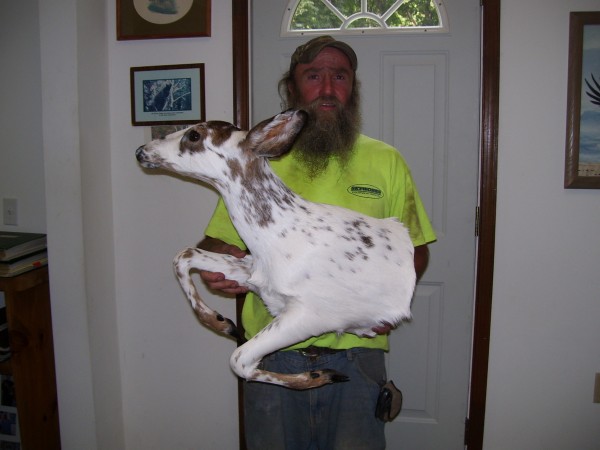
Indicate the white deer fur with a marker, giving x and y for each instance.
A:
(319, 268)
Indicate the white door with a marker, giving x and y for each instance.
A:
(420, 93)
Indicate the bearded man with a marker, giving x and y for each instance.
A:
(331, 162)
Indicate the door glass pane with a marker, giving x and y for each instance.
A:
(339, 16)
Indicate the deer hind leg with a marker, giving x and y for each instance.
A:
(282, 332)
(234, 269)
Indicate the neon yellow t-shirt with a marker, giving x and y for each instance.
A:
(377, 182)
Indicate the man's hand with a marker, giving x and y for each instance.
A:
(384, 328)
(216, 280)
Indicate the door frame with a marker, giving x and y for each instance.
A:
(490, 82)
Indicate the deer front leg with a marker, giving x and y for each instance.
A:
(195, 259)
(283, 331)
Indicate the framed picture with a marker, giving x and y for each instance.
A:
(582, 154)
(167, 95)
(160, 19)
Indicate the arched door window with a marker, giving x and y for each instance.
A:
(363, 17)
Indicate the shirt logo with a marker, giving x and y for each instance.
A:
(365, 190)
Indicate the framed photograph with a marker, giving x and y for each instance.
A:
(167, 95)
(582, 154)
(161, 19)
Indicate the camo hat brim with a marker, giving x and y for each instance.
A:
(306, 53)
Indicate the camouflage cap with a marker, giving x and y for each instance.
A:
(305, 53)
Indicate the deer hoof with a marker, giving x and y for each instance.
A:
(228, 327)
(329, 376)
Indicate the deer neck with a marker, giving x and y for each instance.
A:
(258, 201)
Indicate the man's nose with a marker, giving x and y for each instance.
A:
(326, 86)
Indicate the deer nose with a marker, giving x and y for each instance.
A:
(139, 153)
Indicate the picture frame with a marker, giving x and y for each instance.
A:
(582, 152)
(167, 95)
(163, 19)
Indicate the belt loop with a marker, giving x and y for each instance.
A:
(349, 354)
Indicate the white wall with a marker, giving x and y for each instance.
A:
(22, 167)
(544, 348)
(134, 368)
(62, 159)
(178, 391)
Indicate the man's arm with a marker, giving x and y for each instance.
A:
(217, 280)
(421, 259)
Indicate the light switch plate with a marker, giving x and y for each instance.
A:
(10, 211)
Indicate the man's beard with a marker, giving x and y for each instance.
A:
(327, 134)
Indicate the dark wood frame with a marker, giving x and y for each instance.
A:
(487, 206)
(200, 90)
(490, 99)
(130, 25)
(577, 22)
(241, 119)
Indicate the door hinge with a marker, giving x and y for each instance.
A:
(466, 443)
(477, 221)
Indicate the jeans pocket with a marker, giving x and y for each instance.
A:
(371, 365)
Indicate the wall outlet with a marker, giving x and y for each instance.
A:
(10, 211)
(597, 389)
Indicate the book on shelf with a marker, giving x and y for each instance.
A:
(10, 436)
(4, 340)
(23, 264)
(4, 343)
(14, 244)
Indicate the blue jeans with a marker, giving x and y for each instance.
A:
(335, 416)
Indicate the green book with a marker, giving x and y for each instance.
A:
(14, 244)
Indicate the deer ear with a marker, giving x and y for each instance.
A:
(275, 136)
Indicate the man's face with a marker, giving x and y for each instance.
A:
(326, 89)
(327, 79)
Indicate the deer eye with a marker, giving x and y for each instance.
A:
(194, 136)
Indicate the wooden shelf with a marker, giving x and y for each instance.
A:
(31, 364)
